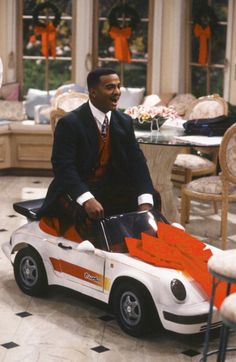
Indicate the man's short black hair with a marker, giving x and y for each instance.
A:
(94, 76)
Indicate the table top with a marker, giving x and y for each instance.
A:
(175, 136)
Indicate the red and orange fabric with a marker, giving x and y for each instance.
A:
(173, 248)
(48, 39)
(121, 36)
(203, 34)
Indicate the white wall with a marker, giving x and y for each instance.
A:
(7, 39)
(83, 45)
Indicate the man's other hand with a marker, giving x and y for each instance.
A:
(94, 209)
(145, 207)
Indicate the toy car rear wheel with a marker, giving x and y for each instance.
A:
(134, 309)
(30, 273)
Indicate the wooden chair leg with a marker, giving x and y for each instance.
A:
(215, 207)
(184, 208)
(224, 219)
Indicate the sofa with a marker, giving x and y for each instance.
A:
(26, 134)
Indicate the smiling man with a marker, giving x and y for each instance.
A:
(98, 166)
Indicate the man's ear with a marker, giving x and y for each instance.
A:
(92, 92)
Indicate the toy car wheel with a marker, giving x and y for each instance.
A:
(134, 309)
(30, 273)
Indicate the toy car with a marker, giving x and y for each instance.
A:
(137, 291)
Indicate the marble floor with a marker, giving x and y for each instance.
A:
(67, 326)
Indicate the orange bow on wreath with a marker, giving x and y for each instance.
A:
(48, 39)
(120, 37)
(203, 34)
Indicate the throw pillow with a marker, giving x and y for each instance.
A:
(130, 97)
(36, 97)
(12, 110)
(10, 91)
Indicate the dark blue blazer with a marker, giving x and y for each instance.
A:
(75, 155)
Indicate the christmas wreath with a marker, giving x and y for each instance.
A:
(47, 30)
(128, 11)
(121, 34)
(46, 5)
(204, 26)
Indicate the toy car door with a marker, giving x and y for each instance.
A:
(82, 267)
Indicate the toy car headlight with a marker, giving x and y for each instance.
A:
(178, 289)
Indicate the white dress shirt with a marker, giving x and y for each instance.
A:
(99, 118)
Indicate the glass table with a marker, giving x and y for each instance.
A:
(161, 149)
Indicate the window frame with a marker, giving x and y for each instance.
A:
(209, 66)
(19, 44)
(95, 57)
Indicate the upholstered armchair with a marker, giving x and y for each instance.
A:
(188, 166)
(64, 103)
(215, 188)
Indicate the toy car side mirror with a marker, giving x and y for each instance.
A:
(86, 247)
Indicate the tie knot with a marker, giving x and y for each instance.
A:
(104, 127)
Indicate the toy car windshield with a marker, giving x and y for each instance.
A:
(117, 228)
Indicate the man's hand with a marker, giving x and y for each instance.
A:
(94, 209)
(145, 207)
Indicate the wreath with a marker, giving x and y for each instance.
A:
(129, 11)
(204, 15)
(46, 5)
(204, 26)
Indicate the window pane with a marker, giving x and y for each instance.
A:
(65, 6)
(135, 75)
(198, 81)
(59, 72)
(218, 43)
(221, 9)
(217, 78)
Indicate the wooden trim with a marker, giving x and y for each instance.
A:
(150, 47)
(95, 33)
(73, 45)
(19, 43)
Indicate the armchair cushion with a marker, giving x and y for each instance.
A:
(209, 185)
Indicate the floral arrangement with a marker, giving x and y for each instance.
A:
(147, 114)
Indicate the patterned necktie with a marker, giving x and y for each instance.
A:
(104, 128)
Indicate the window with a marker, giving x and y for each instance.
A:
(135, 73)
(37, 71)
(208, 77)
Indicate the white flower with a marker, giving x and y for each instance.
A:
(148, 113)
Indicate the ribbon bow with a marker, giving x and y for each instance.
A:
(120, 37)
(203, 34)
(48, 39)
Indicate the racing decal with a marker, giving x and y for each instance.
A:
(79, 272)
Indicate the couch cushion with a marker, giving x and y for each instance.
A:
(36, 97)
(130, 97)
(12, 110)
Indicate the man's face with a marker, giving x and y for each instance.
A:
(106, 94)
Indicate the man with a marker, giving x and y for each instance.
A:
(98, 166)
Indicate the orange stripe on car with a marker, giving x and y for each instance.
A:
(76, 271)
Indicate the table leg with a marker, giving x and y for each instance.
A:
(160, 161)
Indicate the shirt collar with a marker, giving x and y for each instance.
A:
(99, 115)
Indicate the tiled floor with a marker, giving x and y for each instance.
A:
(65, 325)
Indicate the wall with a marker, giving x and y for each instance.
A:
(7, 39)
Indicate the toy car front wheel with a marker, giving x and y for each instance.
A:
(30, 273)
(134, 309)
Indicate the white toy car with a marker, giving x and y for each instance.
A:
(140, 294)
